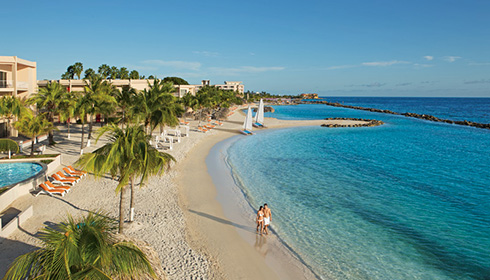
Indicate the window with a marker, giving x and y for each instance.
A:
(3, 79)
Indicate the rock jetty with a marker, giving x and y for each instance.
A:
(367, 122)
(410, 115)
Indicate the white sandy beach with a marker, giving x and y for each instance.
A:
(177, 214)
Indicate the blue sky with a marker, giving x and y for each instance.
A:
(374, 48)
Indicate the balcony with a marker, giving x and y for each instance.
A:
(9, 85)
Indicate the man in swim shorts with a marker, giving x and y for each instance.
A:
(267, 218)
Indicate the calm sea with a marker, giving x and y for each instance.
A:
(406, 200)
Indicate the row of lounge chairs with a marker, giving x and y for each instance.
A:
(60, 183)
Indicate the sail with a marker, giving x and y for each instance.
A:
(259, 118)
(247, 124)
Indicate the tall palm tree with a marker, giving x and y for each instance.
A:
(89, 72)
(128, 156)
(123, 73)
(67, 107)
(114, 73)
(125, 99)
(104, 71)
(48, 101)
(33, 126)
(157, 106)
(98, 94)
(134, 75)
(78, 69)
(83, 105)
(10, 108)
(83, 248)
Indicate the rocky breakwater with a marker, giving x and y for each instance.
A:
(366, 122)
(412, 115)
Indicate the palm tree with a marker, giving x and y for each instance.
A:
(123, 73)
(9, 145)
(104, 71)
(157, 106)
(134, 75)
(128, 156)
(83, 105)
(78, 69)
(125, 99)
(48, 101)
(114, 73)
(67, 107)
(97, 93)
(69, 74)
(89, 72)
(10, 108)
(33, 126)
(85, 248)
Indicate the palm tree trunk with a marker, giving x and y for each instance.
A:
(90, 124)
(32, 146)
(50, 133)
(68, 123)
(83, 134)
(121, 212)
(131, 202)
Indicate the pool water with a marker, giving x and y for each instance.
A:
(12, 173)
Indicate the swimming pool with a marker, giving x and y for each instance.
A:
(15, 172)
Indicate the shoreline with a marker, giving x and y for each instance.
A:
(221, 229)
(162, 219)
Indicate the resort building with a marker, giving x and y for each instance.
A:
(17, 78)
(78, 85)
(193, 89)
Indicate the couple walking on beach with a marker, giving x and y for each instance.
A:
(264, 216)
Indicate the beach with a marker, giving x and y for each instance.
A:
(177, 214)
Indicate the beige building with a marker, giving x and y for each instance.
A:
(77, 85)
(17, 78)
(193, 89)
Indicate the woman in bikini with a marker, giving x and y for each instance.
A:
(260, 219)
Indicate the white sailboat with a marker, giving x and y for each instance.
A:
(247, 124)
(259, 117)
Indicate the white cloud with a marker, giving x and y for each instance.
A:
(175, 64)
(206, 53)
(384, 63)
(451, 58)
(429, 57)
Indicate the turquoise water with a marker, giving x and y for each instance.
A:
(11, 173)
(406, 200)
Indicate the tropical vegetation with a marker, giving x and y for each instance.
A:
(33, 126)
(128, 156)
(49, 101)
(83, 248)
(9, 145)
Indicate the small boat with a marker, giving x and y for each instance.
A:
(247, 124)
(259, 117)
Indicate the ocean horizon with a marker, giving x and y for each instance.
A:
(405, 200)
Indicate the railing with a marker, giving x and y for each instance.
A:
(6, 84)
(10, 84)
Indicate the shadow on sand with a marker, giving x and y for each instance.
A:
(223, 221)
